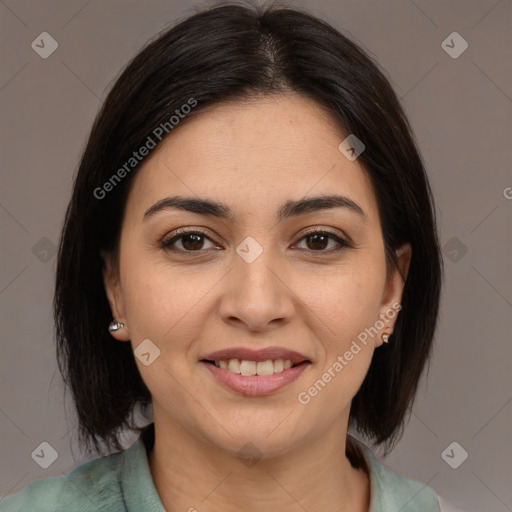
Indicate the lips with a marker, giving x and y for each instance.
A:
(243, 353)
(255, 372)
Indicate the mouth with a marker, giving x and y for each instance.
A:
(255, 372)
(247, 362)
(249, 368)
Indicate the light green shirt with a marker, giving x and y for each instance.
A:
(122, 482)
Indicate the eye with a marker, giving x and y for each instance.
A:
(319, 239)
(191, 241)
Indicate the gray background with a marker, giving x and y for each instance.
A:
(461, 112)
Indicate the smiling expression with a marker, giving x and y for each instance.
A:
(247, 228)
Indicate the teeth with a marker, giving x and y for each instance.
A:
(265, 368)
(248, 368)
(234, 366)
(278, 365)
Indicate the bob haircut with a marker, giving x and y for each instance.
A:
(234, 52)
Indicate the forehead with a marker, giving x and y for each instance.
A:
(254, 155)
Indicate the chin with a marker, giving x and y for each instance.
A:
(262, 440)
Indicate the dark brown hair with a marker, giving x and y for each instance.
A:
(235, 52)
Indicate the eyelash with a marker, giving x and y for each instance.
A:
(166, 244)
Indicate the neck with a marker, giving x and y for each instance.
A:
(191, 474)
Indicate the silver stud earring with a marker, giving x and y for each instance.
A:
(115, 326)
(385, 337)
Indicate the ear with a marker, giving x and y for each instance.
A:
(114, 295)
(392, 296)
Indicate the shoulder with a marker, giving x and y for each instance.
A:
(391, 491)
(121, 481)
(92, 486)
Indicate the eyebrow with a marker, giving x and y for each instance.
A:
(287, 210)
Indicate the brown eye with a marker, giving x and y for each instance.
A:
(191, 241)
(194, 241)
(318, 240)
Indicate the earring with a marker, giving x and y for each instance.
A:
(115, 326)
(385, 337)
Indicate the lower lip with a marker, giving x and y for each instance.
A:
(256, 385)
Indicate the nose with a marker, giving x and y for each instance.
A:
(257, 294)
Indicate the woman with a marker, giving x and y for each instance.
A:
(249, 258)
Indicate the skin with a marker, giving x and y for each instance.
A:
(297, 294)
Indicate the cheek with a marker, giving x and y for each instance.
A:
(163, 304)
(348, 312)
(351, 300)
(163, 301)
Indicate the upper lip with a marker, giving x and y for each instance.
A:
(263, 354)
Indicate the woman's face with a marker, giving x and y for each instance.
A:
(253, 278)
